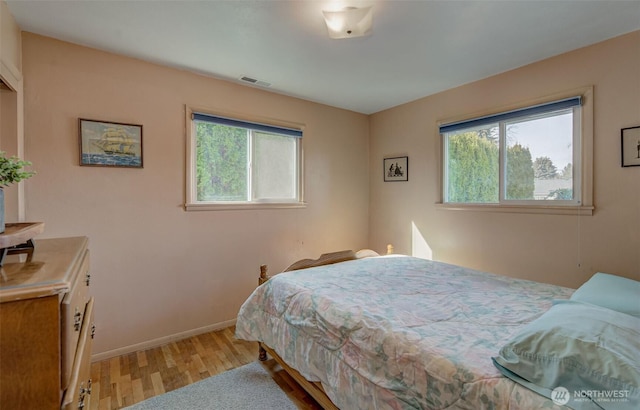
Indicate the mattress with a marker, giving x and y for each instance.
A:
(398, 332)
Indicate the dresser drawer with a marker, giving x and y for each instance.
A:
(72, 312)
(78, 394)
(38, 337)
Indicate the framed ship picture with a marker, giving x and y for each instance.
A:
(110, 144)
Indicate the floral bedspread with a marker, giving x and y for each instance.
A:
(399, 332)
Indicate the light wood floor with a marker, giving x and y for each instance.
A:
(122, 381)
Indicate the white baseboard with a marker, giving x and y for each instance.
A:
(160, 341)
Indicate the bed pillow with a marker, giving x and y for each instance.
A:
(586, 352)
(610, 291)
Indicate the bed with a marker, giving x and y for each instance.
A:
(363, 331)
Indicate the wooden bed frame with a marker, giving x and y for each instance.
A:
(313, 388)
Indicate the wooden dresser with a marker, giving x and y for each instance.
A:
(46, 327)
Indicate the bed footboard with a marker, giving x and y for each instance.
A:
(314, 389)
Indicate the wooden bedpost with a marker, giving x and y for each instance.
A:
(263, 275)
(262, 354)
(390, 249)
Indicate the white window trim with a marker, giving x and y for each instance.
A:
(586, 206)
(191, 202)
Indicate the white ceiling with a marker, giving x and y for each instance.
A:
(416, 48)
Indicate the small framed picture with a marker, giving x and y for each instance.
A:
(110, 144)
(630, 146)
(396, 169)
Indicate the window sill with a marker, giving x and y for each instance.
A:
(243, 206)
(519, 209)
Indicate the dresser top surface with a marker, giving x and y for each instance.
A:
(49, 272)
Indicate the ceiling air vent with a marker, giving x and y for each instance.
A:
(254, 81)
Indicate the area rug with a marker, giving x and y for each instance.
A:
(249, 387)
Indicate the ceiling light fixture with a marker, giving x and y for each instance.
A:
(349, 22)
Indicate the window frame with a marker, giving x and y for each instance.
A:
(583, 204)
(191, 201)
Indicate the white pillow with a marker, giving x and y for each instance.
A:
(611, 291)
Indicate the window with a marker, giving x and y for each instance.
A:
(235, 163)
(531, 157)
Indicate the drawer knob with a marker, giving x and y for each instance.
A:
(77, 320)
(84, 391)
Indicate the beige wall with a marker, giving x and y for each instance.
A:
(10, 45)
(11, 110)
(157, 270)
(9, 145)
(564, 250)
